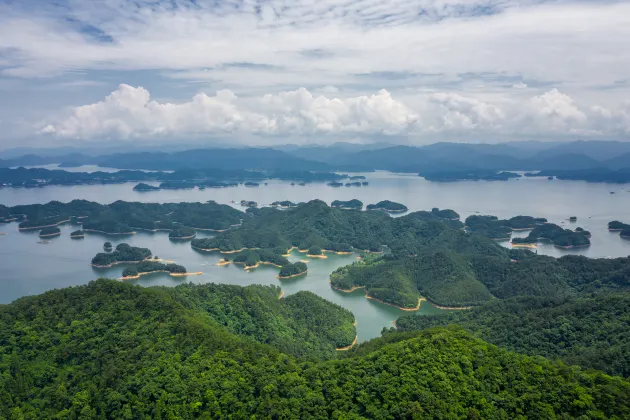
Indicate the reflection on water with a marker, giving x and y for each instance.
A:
(31, 268)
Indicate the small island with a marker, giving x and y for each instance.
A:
(182, 232)
(145, 187)
(617, 226)
(49, 231)
(561, 238)
(247, 203)
(353, 204)
(77, 234)
(335, 184)
(353, 184)
(251, 184)
(315, 252)
(147, 267)
(356, 177)
(388, 206)
(293, 270)
(445, 213)
(284, 204)
(123, 254)
(107, 246)
(253, 258)
(573, 219)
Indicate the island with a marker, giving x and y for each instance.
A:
(123, 254)
(252, 258)
(561, 238)
(388, 206)
(468, 175)
(293, 270)
(445, 213)
(335, 184)
(315, 252)
(177, 185)
(148, 267)
(573, 218)
(247, 203)
(145, 187)
(77, 234)
(617, 226)
(284, 204)
(182, 232)
(365, 183)
(356, 177)
(353, 204)
(353, 184)
(107, 246)
(49, 231)
(251, 184)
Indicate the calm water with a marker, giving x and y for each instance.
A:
(31, 268)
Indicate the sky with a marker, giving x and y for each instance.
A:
(76, 72)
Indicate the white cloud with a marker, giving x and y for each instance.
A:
(519, 85)
(130, 113)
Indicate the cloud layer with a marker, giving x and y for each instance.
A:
(422, 67)
(130, 113)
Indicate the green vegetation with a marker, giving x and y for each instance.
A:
(617, 225)
(445, 214)
(353, 204)
(388, 206)
(489, 226)
(315, 250)
(125, 217)
(284, 204)
(50, 231)
(562, 238)
(107, 246)
(124, 253)
(77, 234)
(113, 350)
(251, 258)
(291, 269)
(145, 187)
(590, 332)
(149, 266)
(180, 232)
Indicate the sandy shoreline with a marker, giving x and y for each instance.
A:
(50, 234)
(45, 226)
(182, 237)
(109, 233)
(129, 262)
(292, 275)
(316, 256)
(281, 294)
(420, 300)
(354, 343)
(532, 246)
(197, 273)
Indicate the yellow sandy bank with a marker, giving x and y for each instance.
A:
(356, 337)
(197, 273)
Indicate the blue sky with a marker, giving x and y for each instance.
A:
(303, 71)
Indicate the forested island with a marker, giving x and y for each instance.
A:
(124, 253)
(284, 204)
(388, 206)
(501, 229)
(123, 217)
(468, 175)
(622, 228)
(148, 267)
(293, 270)
(353, 204)
(145, 187)
(77, 234)
(227, 350)
(49, 231)
(182, 232)
(561, 238)
(613, 176)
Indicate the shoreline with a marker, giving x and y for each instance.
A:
(182, 237)
(223, 263)
(316, 256)
(109, 233)
(41, 227)
(337, 252)
(571, 246)
(531, 246)
(417, 307)
(292, 275)
(127, 262)
(49, 235)
(354, 343)
(196, 273)
(450, 308)
(281, 294)
(354, 288)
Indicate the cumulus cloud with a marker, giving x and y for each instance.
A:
(129, 113)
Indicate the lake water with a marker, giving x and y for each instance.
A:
(31, 268)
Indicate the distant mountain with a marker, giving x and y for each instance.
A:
(596, 149)
(568, 161)
(250, 158)
(619, 162)
(329, 153)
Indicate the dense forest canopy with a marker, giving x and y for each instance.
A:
(126, 217)
(123, 253)
(112, 350)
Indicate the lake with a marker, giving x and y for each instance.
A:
(31, 268)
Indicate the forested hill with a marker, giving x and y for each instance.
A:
(112, 350)
(592, 332)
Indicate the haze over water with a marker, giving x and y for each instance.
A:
(31, 268)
